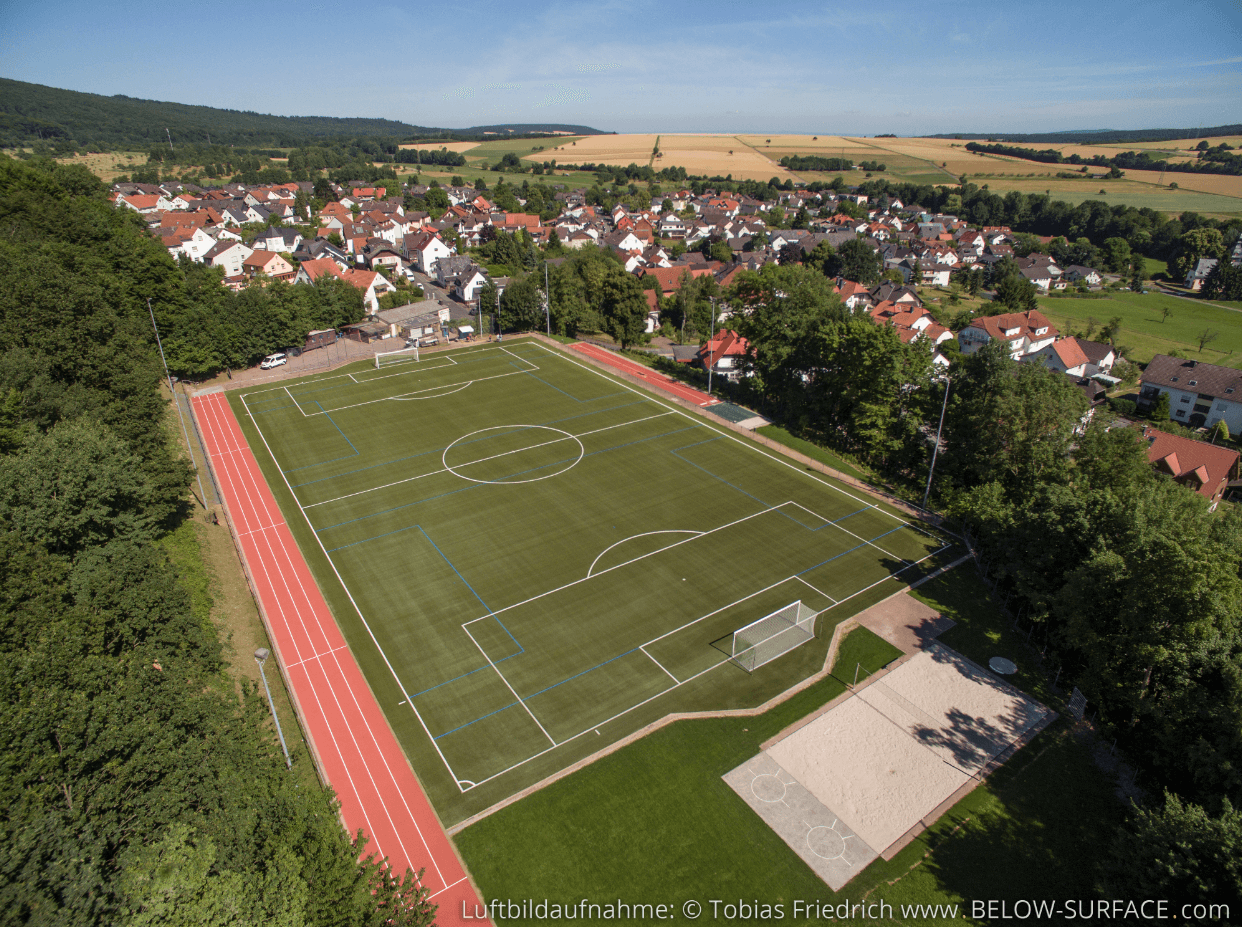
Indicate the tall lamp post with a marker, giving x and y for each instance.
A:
(711, 360)
(260, 656)
(936, 450)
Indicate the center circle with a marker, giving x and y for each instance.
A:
(768, 788)
(825, 842)
(481, 435)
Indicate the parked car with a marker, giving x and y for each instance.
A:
(274, 360)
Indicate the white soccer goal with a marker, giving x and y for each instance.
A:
(773, 635)
(404, 356)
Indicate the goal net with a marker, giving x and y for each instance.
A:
(404, 356)
(773, 635)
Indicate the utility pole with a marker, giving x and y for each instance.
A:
(936, 449)
(260, 656)
(547, 299)
(169, 134)
(710, 358)
(171, 389)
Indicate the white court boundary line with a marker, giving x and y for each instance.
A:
(645, 534)
(470, 463)
(669, 409)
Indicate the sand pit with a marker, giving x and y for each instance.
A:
(890, 757)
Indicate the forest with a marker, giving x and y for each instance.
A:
(139, 782)
(60, 122)
(1212, 159)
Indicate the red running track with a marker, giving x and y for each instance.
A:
(357, 752)
(646, 374)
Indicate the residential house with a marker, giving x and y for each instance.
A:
(1207, 469)
(270, 264)
(1064, 355)
(1100, 357)
(1023, 333)
(1076, 273)
(1199, 273)
(1199, 394)
(724, 354)
(424, 249)
(372, 284)
(278, 239)
(311, 270)
(229, 255)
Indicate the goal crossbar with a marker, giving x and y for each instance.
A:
(773, 635)
(388, 358)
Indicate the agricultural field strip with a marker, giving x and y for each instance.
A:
(767, 508)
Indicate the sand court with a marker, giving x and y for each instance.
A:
(887, 760)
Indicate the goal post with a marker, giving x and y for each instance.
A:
(773, 635)
(403, 356)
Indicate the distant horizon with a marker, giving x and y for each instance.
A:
(851, 69)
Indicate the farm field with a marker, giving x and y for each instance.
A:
(698, 154)
(104, 164)
(1122, 192)
(1143, 331)
(436, 146)
(531, 559)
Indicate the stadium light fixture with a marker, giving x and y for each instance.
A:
(260, 656)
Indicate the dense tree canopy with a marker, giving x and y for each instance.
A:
(137, 785)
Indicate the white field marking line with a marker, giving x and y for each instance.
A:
(411, 397)
(645, 396)
(256, 530)
(894, 575)
(352, 600)
(820, 591)
(413, 393)
(643, 535)
(836, 524)
(471, 463)
(447, 887)
(551, 740)
(751, 445)
(684, 681)
(358, 708)
(316, 656)
(340, 376)
(643, 648)
(297, 405)
(279, 605)
(211, 409)
(619, 565)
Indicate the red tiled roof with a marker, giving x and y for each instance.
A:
(1026, 323)
(1069, 352)
(727, 343)
(317, 267)
(1203, 467)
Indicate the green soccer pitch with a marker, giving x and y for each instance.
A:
(532, 559)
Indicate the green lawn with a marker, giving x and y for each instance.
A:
(534, 149)
(655, 821)
(1144, 331)
(814, 451)
(546, 559)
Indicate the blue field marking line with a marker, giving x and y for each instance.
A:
(827, 522)
(570, 395)
(852, 549)
(497, 482)
(523, 700)
(440, 450)
(334, 459)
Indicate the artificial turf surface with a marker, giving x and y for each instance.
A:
(532, 559)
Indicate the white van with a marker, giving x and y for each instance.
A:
(273, 360)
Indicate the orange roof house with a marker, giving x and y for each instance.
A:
(1204, 468)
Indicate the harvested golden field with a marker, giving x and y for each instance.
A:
(698, 154)
(451, 146)
(810, 143)
(1221, 184)
(108, 166)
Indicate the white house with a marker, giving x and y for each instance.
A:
(1023, 332)
(230, 255)
(1199, 394)
(424, 249)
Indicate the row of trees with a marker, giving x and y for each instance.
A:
(1211, 160)
(139, 786)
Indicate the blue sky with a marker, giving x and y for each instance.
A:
(835, 67)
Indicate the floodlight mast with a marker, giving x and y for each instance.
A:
(202, 497)
(260, 656)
